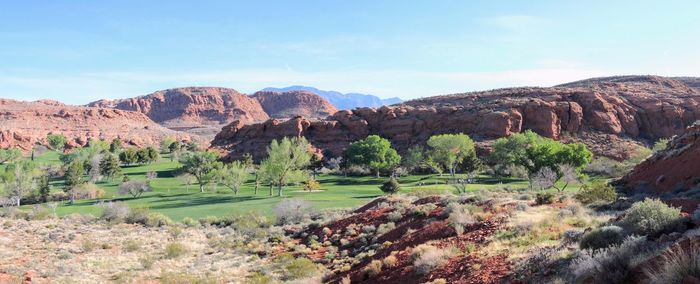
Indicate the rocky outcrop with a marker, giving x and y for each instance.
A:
(294, 103)
(610, 115)
(205, 110)
(198, 110)
(23, 124)
(673, 169)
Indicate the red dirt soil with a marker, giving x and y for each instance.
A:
(413, 230)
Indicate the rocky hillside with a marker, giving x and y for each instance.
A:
(611, 115)
(340, 100)
(673, 169)
(198, 110)
(205, 110)
(294, 103)
(23, 124)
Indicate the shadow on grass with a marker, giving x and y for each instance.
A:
(205, 200)
(350, 181)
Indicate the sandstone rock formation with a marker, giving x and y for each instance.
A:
(23, 124)
(205, 110)
(294, 103)
(198, 110)
(673, 169)
(609, 114)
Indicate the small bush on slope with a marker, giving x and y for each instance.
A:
(427, 257)
(610, 265)
(676, 266)
(650, 216)
(292, 210)
(596, 192)
(602, 238)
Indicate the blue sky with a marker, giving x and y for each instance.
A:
(79, 51)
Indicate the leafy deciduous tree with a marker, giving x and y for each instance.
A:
(285, 161)
(449, 150)
(202, 165)
(373, 152)
(234, 175)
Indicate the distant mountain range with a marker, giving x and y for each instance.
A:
(340, 100)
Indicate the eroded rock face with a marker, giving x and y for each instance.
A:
(23, 124)
(205, 110)
(197, 110)
(610, 115)
(294, 103)
(674, 169)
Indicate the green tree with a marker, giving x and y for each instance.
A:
(74, 174)
(373, 152)
(128, 156)
(391, 186)
(534, 152)
(56, 141)
(165, 145)
(9, 155)
(449, 150)
(192, 147)
(286, 161)
(44, 187)
(234, 175)
(203, 166)
(147, 155)
(116, 146)
(414, 158)
(109, 167)
(98, 144)
(19, 180)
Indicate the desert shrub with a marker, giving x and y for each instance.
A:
(650, 216)
(131, 246)
(385, 228)
(521, 206)
(189, 222)
(676, 266)
(390, 261)
(300, 268)
(86, 191)
(158, 220)
(170, 277)
(598, 191)
(391, 186)
(604, 166)
(394, 216)
(544, 198)
(610, 265)
(39, 212)
(88, 245)
(175, 250)
(372, 269)
(427, 257)
(602, 238)
(292, 210)
(259, 278)
(459, 216)
(424, 209)
(115, 211)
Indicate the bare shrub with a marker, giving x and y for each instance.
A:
(544, 178)
(610, 265)
(133, 187)
(86, 191)
(292, 210)
(677, 266)
(459, 216)
(115, 211)
(427, 257)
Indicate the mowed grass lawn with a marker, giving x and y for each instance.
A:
(176, 200)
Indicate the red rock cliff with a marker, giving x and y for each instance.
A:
(608, 114)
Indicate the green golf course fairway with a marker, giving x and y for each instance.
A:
(177, 201)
